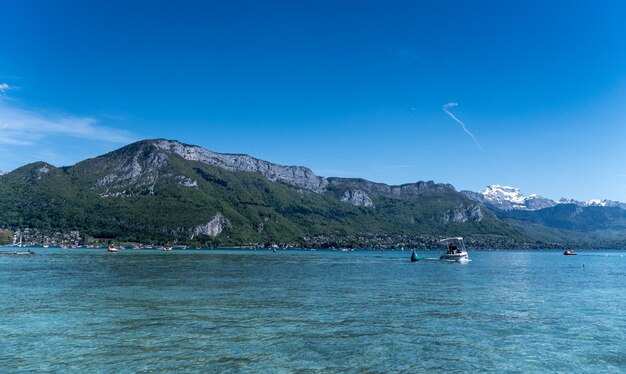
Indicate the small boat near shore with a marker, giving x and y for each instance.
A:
(29, 252)
(570, 252)
(112, 249)
(456, 250)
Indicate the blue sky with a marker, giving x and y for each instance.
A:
(348, 88)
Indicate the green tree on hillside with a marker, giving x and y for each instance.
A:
(6, 237)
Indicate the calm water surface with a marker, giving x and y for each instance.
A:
(82, 310)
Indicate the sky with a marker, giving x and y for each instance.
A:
(529, 94)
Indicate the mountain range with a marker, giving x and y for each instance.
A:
(510, 198)
(164, 191)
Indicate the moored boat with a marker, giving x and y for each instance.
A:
(112, 249)
(570, 252)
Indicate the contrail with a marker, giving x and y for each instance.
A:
(445, 109)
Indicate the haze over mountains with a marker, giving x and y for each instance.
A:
(164, 191)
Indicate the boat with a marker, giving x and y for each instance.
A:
(570, 252)
(414, 256)
(167, 249)
(29, 252)
(112, 249)
(456, 250)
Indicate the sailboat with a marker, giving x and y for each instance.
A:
(456, 250)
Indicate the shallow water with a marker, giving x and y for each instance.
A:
(85, 310)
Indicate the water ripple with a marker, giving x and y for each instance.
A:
(297, 311)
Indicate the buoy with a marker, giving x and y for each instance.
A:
(414, 256)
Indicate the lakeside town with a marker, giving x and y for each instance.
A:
(34, 237)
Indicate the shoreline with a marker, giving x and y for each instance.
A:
(12, 248)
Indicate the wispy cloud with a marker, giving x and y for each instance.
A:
(4, 87)
(22, 126)
(447, 110)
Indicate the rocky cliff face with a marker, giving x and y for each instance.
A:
(463, 214)
(135, 169)
(404, 190)
(131, 170)
(212, 228)
(476, 196)
(296, 176)
(356, 198)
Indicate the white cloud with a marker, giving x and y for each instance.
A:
(447, 110)
(20, 126)
(4, 87)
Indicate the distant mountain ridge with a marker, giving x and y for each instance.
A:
(584, 223)
(510, 198)
(166, 191)
(296, 176)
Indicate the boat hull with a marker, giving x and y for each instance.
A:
(454, 257)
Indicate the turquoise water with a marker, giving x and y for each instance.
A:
(83, 310)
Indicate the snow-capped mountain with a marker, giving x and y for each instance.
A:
(510, 198)
(594, 202)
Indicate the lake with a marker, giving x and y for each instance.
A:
(86, 310)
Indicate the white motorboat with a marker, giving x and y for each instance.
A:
(456, 250)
